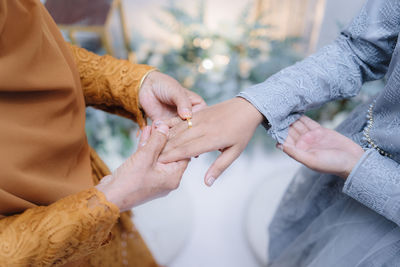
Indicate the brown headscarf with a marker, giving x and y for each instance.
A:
(44, 154)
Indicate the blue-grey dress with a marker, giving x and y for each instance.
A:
(323, 220)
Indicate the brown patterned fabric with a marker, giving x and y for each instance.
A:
(111, 84)
(51, 213)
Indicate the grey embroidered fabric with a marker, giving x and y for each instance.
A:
(322, 220)
(366, 178)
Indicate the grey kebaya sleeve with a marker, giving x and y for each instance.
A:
(375, 182)
(361, 53)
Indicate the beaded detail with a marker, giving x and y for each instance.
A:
(367, 130)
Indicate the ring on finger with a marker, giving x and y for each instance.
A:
(189, 122)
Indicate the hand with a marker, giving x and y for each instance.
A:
(227, 127)
(141, 177)
(321, 149)
(162, 97)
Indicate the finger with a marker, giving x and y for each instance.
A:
(309, 123)
(300, 127)
(198, 107)
(297, 154)
(289, 140)
(182, 103)
(223, 161)
(187, 150)
(294, 135)
(157, 141)
(156, 124)
(195, 98)
(182, 130)
(173, 121)
(184, 142)
(144, 136)
(198, 102)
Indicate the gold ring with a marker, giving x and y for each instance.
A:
(189, 122)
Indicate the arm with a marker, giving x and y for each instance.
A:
(375, 182)
(76, 226)
(123, 88)
(361, 53)
(111, 84)
(65, 231)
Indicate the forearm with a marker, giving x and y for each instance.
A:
(361, 53)
(330, 74)
(111, 84)
(65, 231)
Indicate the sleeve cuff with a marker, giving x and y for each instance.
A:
(375, 182)
(277, 129)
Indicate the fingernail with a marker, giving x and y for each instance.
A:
(279, 146)
(186, 113)
(158, 123)
(210, 180)
(163, 129)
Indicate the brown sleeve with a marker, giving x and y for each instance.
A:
(111, 84)
(65, 231)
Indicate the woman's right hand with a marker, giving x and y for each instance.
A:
(141, 177)
(227, 126)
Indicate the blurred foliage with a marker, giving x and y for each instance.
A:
(110, 134)
(218, 64)
(215, 64)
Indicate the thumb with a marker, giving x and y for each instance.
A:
(183, 103)
(297, 154)
(157, 141)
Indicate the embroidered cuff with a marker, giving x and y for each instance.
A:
(375, 182)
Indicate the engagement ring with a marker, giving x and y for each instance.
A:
(189, 122)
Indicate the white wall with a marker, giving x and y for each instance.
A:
(338, 14)
(141, 14)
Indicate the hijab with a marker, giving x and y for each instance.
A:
(44, 154)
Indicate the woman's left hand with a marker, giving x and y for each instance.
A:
(321, 149)
(227, 126)
(162, 97)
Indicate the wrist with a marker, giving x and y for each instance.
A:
(354, 158)
(147, 78)
(251, 111)
(146, 81)
(105, 186)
